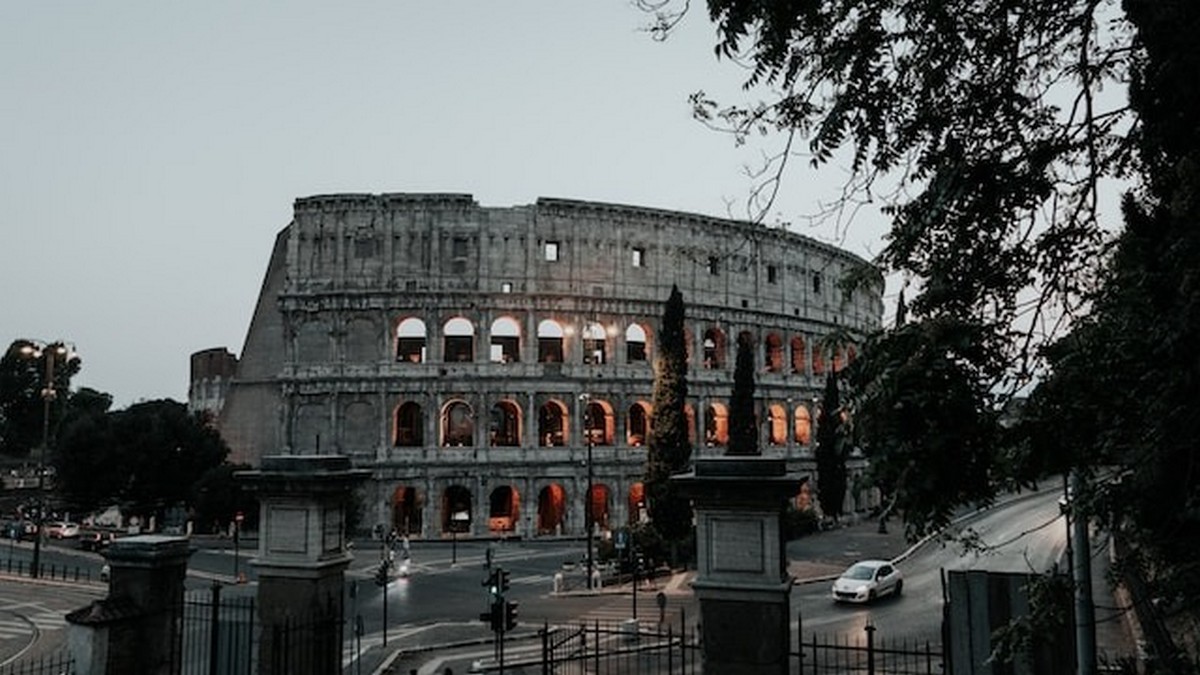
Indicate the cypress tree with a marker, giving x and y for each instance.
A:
(830, 454)
(743, 427)
(669, 450)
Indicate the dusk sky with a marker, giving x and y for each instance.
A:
(150, 152)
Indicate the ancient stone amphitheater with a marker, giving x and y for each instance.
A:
(488, 364)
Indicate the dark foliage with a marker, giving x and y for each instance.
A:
(743, 423)
(22, 407)
(831, 450)
(669, 448)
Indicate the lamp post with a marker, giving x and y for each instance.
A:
(48, 353)
(586, 400)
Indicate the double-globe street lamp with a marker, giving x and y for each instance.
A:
(49, 353)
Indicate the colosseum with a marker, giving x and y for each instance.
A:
(488, 365)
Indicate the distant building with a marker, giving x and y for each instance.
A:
(470, 355)
(211, 372)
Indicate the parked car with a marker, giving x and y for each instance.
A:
(96, 541)
(20, 529)
(868, 580)
(62, 530)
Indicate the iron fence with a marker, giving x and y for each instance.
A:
(59, 663)
(676, 649)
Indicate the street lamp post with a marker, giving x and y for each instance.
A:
(586, 399)
(48, 353)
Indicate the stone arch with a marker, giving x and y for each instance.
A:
(458, 340)
(505, 341)
(773, 345)
(505, 431)
(799, 357)
(637, 504)
(312, 342)
(716, 424)
(715, 349)
(598, 513)
(458, 424)
(408, 510)
(409, 428)
(504, 509)
(595, 344)
(410, 340)
(776, 424)
(636, 345)
(803, 424)
(818, 360)
(552, 509)
(456, 501)
(360, 428)
(552, 424)
(637, 427)
(311, 428)
(599, 422)
(363, 340)
(550, 337)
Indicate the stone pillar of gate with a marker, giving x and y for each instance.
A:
(136, 629)
(301, 560)
(742, 581)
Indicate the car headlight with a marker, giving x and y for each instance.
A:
(861, 589)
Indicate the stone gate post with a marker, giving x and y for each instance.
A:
(301, 558)
(742, 581)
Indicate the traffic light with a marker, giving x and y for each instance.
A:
(381, 574)
(503, 581)
(510, 615)
(492, 583)
(494, 616)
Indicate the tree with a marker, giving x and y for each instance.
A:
(991, 133)
(831, 450)
(22, 407)
(146, 457)
(669, 448)
(743, 423)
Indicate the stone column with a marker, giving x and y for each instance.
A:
(742, 581)
(301, 559)
(136, 629)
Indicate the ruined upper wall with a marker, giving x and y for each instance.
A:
(447, 243)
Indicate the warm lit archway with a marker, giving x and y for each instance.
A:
(408, 505)
(552, 509)
(552, 425)
(504, 509)
(456, 510)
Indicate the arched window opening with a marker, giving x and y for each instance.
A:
(714, 349)
(410, 341)
(803, 425)
(637, 504)
(505, 341)
(597, 506)
(595, 339)
(638, 427)
(716, 425)
(407, 510)
(458, 425)
(552, 509)
(504, 509)
(635, 344)
(598, 422)
(410, 426)
(799, 359)
(818, 361)
(458, 341)
(774, 353)
(456, 510)
(550, 342)
(776, 425)
(552, 425)
(505, 429)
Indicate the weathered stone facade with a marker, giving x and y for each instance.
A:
(468, 355)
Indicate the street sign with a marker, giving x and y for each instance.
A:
(622, 540)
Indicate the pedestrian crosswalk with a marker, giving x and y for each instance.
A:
(24, 626)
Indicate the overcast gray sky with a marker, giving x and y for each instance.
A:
(150, 151)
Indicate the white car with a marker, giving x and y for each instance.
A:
(62, 530)
(867, 580)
